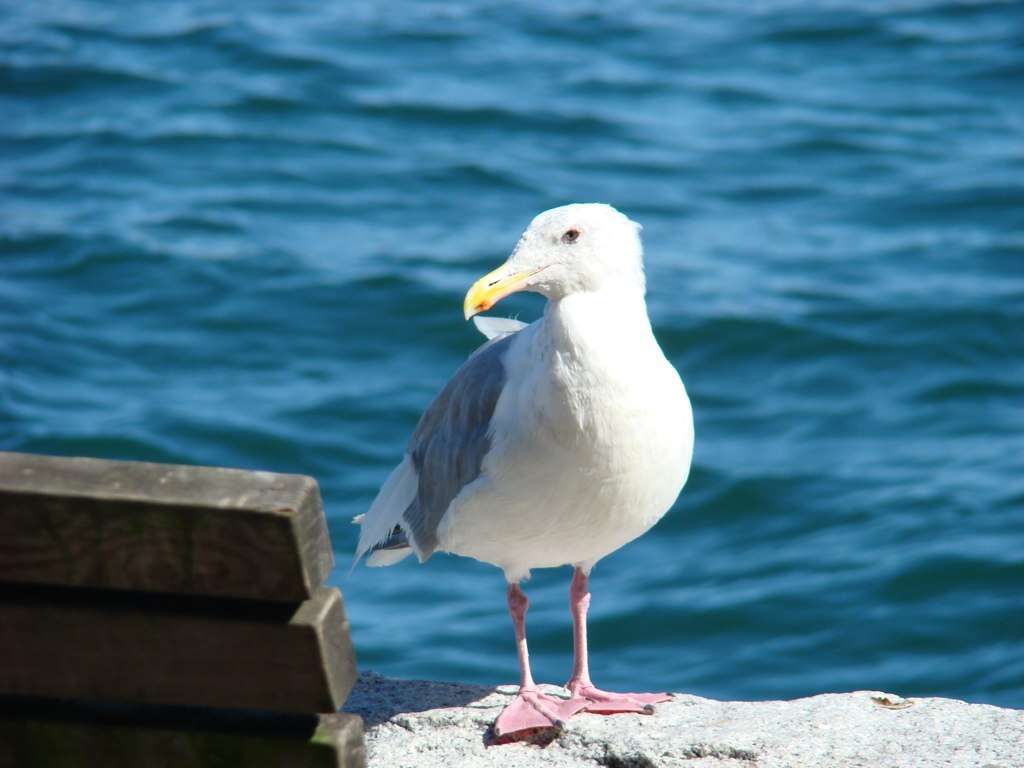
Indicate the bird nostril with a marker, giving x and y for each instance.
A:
(492, 283)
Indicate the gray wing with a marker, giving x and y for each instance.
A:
(451, 440)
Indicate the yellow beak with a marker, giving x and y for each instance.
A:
(492, 288)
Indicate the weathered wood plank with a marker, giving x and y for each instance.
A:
(161, 528)
(330, 741)
(114, 647)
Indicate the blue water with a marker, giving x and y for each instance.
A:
(239, 234)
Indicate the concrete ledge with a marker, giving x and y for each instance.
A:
(420, 724)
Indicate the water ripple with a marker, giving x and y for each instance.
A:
(241, 235)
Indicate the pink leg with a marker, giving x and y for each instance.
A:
(579, 685)
(530, 708)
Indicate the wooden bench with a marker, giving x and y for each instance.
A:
(158, 615)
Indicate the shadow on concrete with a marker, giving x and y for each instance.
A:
(377, 699)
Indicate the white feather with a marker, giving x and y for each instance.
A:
(377, 523)
(591, 438)
(496, 327)
(591, 441)
(383, 557)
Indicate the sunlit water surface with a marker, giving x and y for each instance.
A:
(240, 235)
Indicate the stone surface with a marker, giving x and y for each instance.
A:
(420, 724)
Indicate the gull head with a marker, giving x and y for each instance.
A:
(566, 250)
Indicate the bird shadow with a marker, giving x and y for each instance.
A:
(539, 737)
(379, 699)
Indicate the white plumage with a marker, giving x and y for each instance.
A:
(555, 443)
(591, 435)
(592, 441)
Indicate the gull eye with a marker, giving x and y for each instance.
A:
(570, 236)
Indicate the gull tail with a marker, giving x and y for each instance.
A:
(393, 549)
(380, 533)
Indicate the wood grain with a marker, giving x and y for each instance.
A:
(330, 741)
(161, 528)
(120, 649)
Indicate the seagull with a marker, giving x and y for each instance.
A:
(555, 443)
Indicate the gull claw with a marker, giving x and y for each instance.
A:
(600, 702)
(532, 709)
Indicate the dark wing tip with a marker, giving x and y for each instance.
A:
(395, 540)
